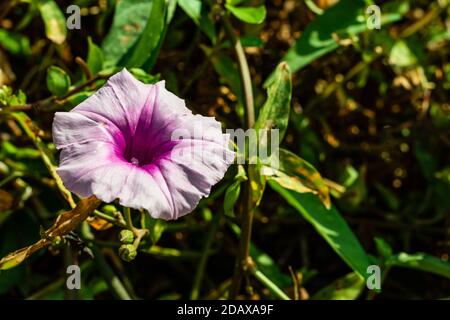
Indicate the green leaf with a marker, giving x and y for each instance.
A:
(195, 9)
(14, 42)
(148, 43)
(330, 225)
(156, 227)
(383, 248)
(294, 173)
(274, 114)
(401, 55)
(143, 76)
(345, 18)
(254, 15)
(58, 82)
(54, 20)
(233, 191)
(9, 98)
(421, 261)
(349, 287)
(129, 21)
(94, 57)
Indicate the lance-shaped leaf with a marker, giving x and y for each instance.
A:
(330, 225)
(296, 174)
(149, 41)
(275, 112)
(65, 223)
(273, 118)
(54, 20)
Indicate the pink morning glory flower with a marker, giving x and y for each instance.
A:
(139, 144)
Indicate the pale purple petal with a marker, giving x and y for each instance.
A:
(140, 144)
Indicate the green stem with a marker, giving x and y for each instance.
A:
(110, 277)
(204, 258)
(261, 277)
(128, 220)
(244, 71)
(246, 202)
(113, 220)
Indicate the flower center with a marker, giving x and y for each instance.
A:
(137, 155)
(134, 161)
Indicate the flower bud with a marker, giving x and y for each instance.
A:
(127, 252)
(126, 236)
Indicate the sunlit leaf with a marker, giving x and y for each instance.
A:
(54, 20)
(148, 43)
(129, 21)
(95, 57)
(294, 173)
(253, 15)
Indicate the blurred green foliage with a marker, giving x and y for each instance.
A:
(364, 176)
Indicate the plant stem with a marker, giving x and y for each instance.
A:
(204, 258)
(115, 221)
(110, 277)
(246, 202)
(261, 277)
(244, 71)
(128, 220)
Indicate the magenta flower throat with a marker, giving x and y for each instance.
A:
(139, 144)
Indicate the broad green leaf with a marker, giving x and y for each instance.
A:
(274, 114)
(58, 82)
(253, 15)
(148, 43)
(330, 225)
(421, 261)
(345, 18)
(233, 191)
(14, 42)
(94, 57)
(294, 173)
(54, 20)
(349, 287)
(129, 21)
(195, 9)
